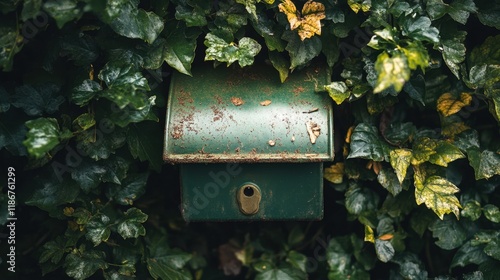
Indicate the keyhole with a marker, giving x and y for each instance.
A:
(248, 191)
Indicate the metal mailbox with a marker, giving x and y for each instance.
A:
(248, 146)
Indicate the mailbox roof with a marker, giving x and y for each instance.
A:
(246, 115)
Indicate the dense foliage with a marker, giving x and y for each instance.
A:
(413, 192)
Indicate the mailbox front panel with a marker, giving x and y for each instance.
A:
(288, 191)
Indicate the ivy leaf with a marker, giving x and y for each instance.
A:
(301, 52)
(89, 174)
(471, 210)
(249, 6)
(243, 52)
(62, 11)
(423, 148)
(389, 180)
(43, 136)
(458, 10)
(445, 153)
(469, 254)
(310, 23)
(52, 193)
(384, 249)
(359, 199)
(366, 143)
(37, 100)
(419, 28)
(449, 232)
(125, 85)
(281, 274)
(334, 173)
(169, 265)
(297, 260)
(83, 93)
(80, 48)
(488, 13)
(449, 104)
(98, 229)
(486, 164)
(53, 251)
(99, 145)
(492, 213)
(130, 114)
(281, 64)
(410, 267)
(338, 91)
(179, 50)
(10, 44)
(357, 5)
(392, 72)
(130, 226)
(144, 143)
(131, 189)
(191, 16)
(417, 55)
(30, 9)
(453, 50)
(400, 160)
(436, 192)
(82, 265)
(129, 21)
(12, 134)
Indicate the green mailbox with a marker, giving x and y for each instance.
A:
(248, 146)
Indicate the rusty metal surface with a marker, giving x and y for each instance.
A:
(247, 115)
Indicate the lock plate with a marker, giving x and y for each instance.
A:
(249, 199)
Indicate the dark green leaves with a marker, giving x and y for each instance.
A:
(129, 21)
(169, 264)
(130, 225)
(360, 199)
(301, 52)
(129, 190)
(62, 11)
(10, 44)
(98, 229)
(243, 52)
(43, 135)
(179, 50)
(37, 100)
(420, 28)
(366, 143)
(144, 142)
(458, 10)
(81, 264)
(53, 193)
(449, 232)
(83, 93)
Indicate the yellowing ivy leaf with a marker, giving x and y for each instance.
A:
(449, 104)
(417, 55)
(452, 129)
(309, 23)
(445, 153)
(392, 71)
(357, 5)
(369, 236)
(423, 148)
(334, 173)
(400, 160)
(436, 192)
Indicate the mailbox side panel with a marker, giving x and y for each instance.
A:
(289, 191)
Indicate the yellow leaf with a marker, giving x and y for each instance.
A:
(68, 211)
(348, 135)
(449, 104)
(453, 129)
(436, 192)
(400, 160)
(365, 6)
(309, 23)
(369, 236)
(334, 173)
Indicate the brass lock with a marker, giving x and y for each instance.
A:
(248, 197)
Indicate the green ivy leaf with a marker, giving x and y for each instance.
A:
(449, 232)
(492, 249)
(301, 52)
(79, 48)
(179, 50)
(131, 189)
(419, 28)
(99, 145)
(384, 249)
(472, 210)
(366, 143)
(37, 100)
(125, 85)
(410, 267)
(82, 265)
(83, 93)
(12, 134)
(130, 226)
(243, 52)
(52, 193)
(458, 10)
(144, 143)
(338, 91)
(453, 49)
(488, 13)
(62, 11)
(53, 251)
(389, 180)
(191, 16)
(486, 164)
(31, 8)
(98, 229)
(359, 199)
(89, 174)
(281, 64)
(436, 192)
(392, 72)
(492, 213)
(43, 136)
(297, 260)
(129, 114)
(169, 265)
(249, 6)
(469, 254)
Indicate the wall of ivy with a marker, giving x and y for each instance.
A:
(413, 192)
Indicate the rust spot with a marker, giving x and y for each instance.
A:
(237, 101)
(265, 102)
(298, 89)
(184, 97)
(177, 131)
(218, 114)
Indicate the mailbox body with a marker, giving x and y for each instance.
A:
(230, 126)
